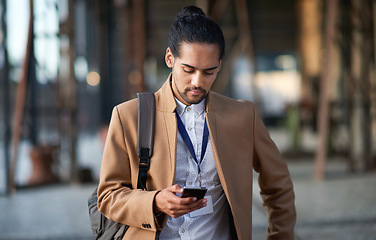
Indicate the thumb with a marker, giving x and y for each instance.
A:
(176, 188)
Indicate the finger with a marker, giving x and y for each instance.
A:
(197, 204)
(184, 209)
(187, 204)
(175, 188)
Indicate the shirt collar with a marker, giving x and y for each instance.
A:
(181, 108)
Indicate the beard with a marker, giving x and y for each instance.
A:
(193, 99)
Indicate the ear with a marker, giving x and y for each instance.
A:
(169, 58)
(220, 65)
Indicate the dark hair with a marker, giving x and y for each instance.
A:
(191, 25)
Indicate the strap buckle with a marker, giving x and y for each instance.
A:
(144, 163)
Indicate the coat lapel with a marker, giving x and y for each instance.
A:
(166, 105)
(170, 124)
(211, 116)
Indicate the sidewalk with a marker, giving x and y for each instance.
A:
(49, 212)
(342, 207)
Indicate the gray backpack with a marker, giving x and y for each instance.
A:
(103, 228)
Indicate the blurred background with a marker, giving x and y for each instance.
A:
(308, 65)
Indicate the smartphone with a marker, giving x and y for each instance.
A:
(198, 192)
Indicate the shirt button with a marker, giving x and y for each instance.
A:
(188, 109)
(189, 129)
(196, 113)
(190, 157)
(183, 231)
(189, 183)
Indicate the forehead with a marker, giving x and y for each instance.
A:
(200, 55)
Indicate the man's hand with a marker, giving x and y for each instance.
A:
(166, 201)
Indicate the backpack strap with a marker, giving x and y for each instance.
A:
(145, 135)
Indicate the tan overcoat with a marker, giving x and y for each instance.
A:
(240, 143)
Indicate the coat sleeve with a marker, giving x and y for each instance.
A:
(117, 200)
(276, 188)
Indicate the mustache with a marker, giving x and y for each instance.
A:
(195, 88)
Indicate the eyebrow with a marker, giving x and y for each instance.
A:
(206, 69)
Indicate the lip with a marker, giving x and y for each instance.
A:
(195, 91)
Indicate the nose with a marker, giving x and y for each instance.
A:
(197, 80)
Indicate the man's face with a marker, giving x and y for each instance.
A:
(194, 71)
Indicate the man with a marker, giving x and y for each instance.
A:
(237, 143)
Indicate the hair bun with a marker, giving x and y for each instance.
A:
(190, 11)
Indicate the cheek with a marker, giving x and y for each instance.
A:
(210, 82)
(182, 82)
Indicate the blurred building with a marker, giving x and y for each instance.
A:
(86, 56)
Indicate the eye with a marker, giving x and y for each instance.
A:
(188, 70)
(209, 73)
